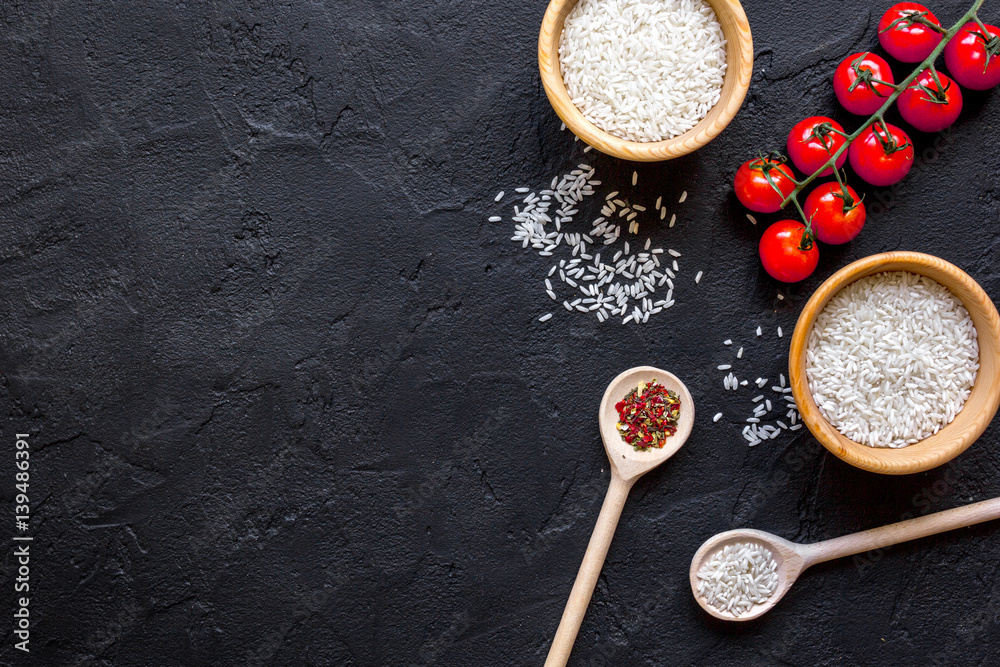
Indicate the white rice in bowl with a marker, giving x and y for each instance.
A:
(892, 359)
(643, 70)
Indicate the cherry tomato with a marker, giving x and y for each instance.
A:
(753, 189)
(860, 83)
(905, 32)
(973, 57)
(880, 158)
(782, 255)
(812, 141)
(831, 223)
(928, 108)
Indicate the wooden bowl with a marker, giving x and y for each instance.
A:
(739, 60)
(974, 417)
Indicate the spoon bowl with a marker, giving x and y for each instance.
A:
(790, 566)
(630, 463)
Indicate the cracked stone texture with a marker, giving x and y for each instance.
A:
(289, 398)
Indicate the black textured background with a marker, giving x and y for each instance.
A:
(289, 398)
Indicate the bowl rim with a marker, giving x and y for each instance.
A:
(950, 441)
(739, 50)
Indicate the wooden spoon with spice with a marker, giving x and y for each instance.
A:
(627, 465)
(793, 559)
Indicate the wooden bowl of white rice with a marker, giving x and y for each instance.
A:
(645, 80)
(895, 362)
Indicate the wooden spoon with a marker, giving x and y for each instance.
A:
(627, 465)
(793, 558)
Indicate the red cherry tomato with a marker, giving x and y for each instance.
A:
(782, 255)
(753, 189)
(859, 85)
(905, 32)
(928, 108)
(973, 57)
(881, 158)
(812, 141)
(831, 223)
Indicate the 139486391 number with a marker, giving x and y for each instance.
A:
(21, 457)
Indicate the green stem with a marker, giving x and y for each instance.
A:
(937, 81)
(803, 214)
(807, 236)
(840, 180)
(900, 87)
(982, 26)
(848, 200)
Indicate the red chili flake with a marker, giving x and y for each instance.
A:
(647, 416)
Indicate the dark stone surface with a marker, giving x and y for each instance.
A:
(289, 398)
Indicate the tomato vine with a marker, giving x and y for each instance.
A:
(878, 117)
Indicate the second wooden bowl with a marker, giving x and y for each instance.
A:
(739, 67)
(978, 411)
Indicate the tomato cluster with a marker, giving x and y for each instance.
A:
(881, 154)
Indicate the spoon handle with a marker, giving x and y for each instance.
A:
(894, 533)
(590, 569)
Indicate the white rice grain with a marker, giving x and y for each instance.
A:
(640, 70)
(738, 576)
(892, 359)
